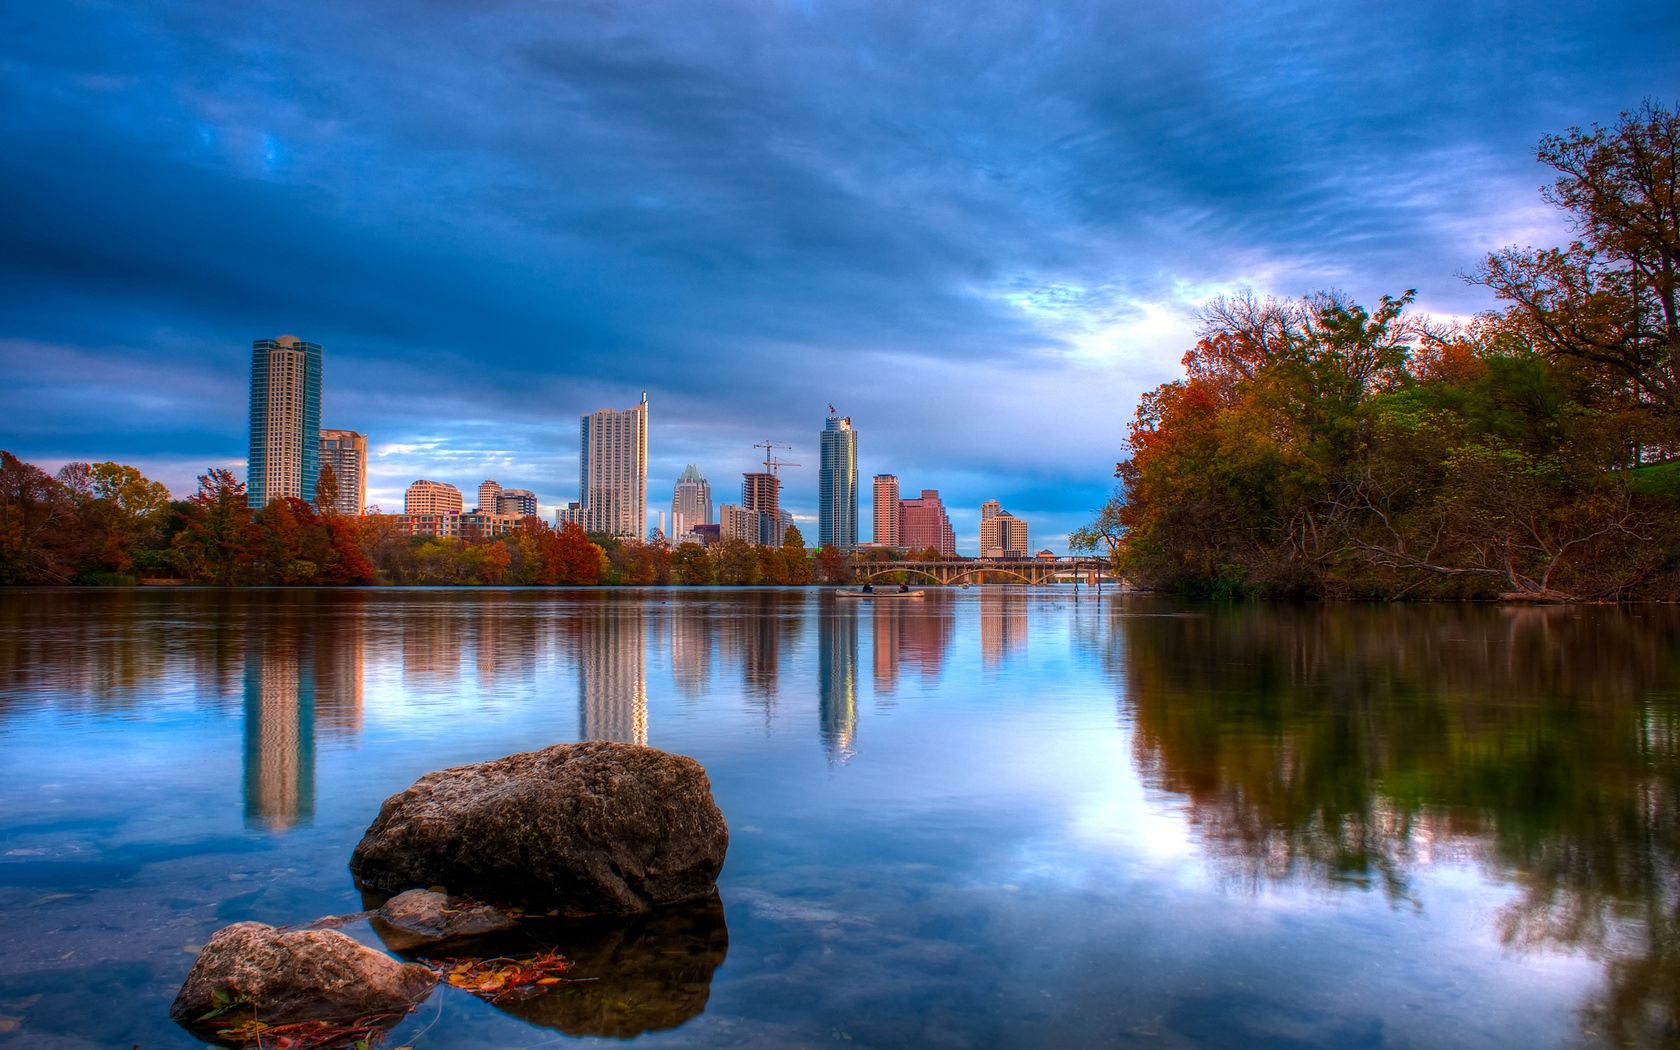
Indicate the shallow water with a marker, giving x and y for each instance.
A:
(987, 819)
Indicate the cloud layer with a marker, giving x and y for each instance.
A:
(979, 229)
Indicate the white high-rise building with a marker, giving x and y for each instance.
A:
(488, 492)
(285, 450)
(612, 471)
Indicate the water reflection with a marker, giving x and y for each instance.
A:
(303, 672)
(1351, 747)
(1003, 626)
(642, 975)
(910, 636)
(837, 680)
(611, 647)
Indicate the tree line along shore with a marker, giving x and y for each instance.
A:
(108, 524)
(1322, 448)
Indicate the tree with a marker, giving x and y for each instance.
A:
(577, 560)
(832, 566)
(117, 510)
(34, 511)
(326, 490)
(735, 563)
(690, 565)
(216, 533)
(1612, 297)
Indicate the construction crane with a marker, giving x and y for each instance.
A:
(772, 464)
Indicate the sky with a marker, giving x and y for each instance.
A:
(979, 229)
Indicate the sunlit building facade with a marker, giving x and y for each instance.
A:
(612, 471)
(345, 451)
(285, 449)
(513, 503)
(884, 499)
(923, 524)
(1002, 534)
(837, 485)
(431, 497)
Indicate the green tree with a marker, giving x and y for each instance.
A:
(690, 565)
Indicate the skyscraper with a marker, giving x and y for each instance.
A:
(612, 471)
(923, 524)
(885, 500)
(345, 451)
(489, 490)
(285, 456)
(837, 484)
(691, 502)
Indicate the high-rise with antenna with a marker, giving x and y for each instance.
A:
(837, 484)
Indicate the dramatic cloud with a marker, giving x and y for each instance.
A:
(980, 229)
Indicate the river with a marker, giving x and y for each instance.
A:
(990, 818)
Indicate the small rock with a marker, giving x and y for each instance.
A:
(286, 976)
(421, 917)
(596, 828)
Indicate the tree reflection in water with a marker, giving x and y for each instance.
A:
(1353, 745)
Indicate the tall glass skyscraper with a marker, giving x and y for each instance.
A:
(285, 458)
(837, 496)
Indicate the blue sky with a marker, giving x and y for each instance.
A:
(979, 229)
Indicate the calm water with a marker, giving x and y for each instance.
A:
(989, 819)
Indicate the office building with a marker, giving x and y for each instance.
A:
(884, 498)
(1002, 534)
(512, 503)
(285, 451)
(691, 502)
(737, 523)
(345, 451)
(837, 485)
(489, 491)
(431, 497)
(923, 524)
(612, 471)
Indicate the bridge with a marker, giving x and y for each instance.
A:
(1036, 571)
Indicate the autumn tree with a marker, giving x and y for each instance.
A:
(34, 512)
(216, 533)
(576, 560)
(326, 490)
(1611, 298)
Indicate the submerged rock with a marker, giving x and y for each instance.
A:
(418, 918)
(287, 976)
(596, 828)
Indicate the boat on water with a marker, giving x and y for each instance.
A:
(893, 593)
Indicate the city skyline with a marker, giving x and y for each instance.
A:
(934, 217)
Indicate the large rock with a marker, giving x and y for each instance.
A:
(588, 829)
(286, 976)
